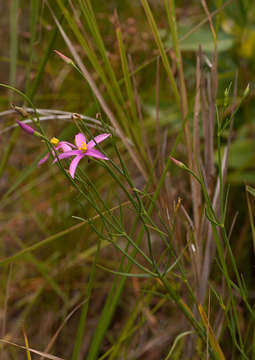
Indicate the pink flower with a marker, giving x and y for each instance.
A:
(59, 145)
(64, 146)
(83, 149)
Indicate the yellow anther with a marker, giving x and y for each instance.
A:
(54, 141)
(83, 147)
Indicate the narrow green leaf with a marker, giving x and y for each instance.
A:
(177, 339)
(126, 274)
(251, 217)
(14, 8)
(161, 48)
(82, 323)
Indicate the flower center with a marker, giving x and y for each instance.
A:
(54, 141)
(83, 147)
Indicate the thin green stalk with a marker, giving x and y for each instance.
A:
(185, 310)
(122, 232)
(177, 339)
(120, 183)
(105, 220)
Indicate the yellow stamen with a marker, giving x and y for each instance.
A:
(83, 147)
(54, 141)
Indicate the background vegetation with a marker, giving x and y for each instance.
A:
(141, 257)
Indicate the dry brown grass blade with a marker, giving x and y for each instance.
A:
(5, 309)
(205, 20)
(209, 16)
(209, 120)
(192, 145)
(210, 244)
(156, 344)
(54, 338)
(211, 336)
(226, 152)
(209, 161)
(204, 113)
(196, 188)
(164, 199)
(99, 96)
(47, 356)
(26, 344)
(196, 142)
(6, 301)
(151, 319)
(157, 116)
(212, 94)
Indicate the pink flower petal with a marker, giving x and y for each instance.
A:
(67, 154)
(96, 154)
(45, 158)
(79, 139)
(74, 164)
(63, 145)
(68, 143)
(97, 140)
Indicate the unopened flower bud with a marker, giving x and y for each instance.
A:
(63, 57)
(178, 163)
(28, 129)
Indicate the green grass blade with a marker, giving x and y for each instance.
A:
(161, 48)
(33, 17)
(134, 124)
(95, 63)
(54, 237)
(13, 17)
(24, 175)
(251, 191)
(89, 15)
(177, 339)
(127, 80)
(43, 269)
(14, 8)
(8, 151)
(34, 86)
(82, 323)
